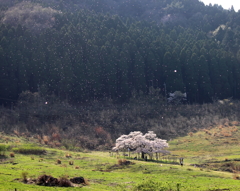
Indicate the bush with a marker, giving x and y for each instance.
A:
(30, 149)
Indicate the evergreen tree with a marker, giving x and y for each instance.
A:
(204, 83)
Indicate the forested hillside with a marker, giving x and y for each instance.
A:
(86, 50)
(85, 72)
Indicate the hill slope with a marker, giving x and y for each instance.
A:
(84, 55)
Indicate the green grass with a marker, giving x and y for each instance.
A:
(103, 173)
(4, 148)
(93, 166)
(29, 149)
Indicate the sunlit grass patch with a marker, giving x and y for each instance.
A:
(4, 148)
(29, 149)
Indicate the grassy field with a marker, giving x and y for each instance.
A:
(210, 163)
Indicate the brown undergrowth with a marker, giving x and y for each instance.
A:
(96, 125)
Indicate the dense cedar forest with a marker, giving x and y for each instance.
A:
(90, 49)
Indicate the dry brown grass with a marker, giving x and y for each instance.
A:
(45, 139)
(226, 133)
(234, 123)
(236, 171)
(12, 155)
(68, 155)
(57, 144)
(236, 176)
(16, 132)
(234, 129)
(56, 136)
(121, 161)
(190, 134)
(168, 122)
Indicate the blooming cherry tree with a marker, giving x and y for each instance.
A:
(139, 143)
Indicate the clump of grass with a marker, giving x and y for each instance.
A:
(190, 134)
(24, 176)
(122, 162)
(29, 149)
(3, 148)
(68, 155)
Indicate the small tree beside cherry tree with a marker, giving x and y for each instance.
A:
(141, 143)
